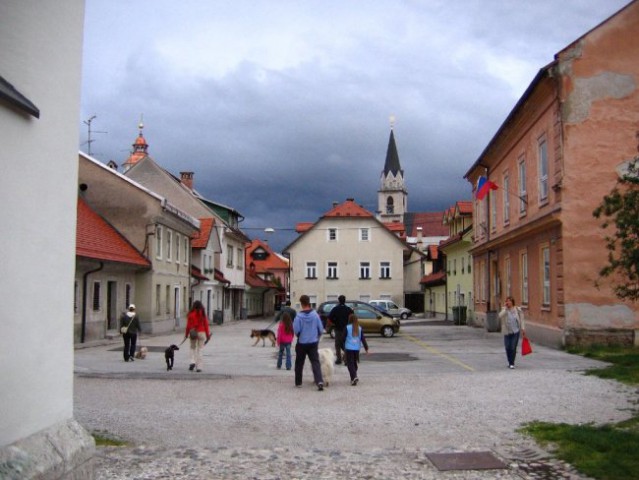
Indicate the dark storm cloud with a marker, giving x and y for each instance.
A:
(281, 109)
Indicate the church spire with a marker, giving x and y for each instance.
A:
(392, 157)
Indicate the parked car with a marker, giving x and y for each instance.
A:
(371, 319)
(392, 308)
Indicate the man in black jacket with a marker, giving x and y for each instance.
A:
(339, 318)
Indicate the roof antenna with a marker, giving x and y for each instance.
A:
(89, 139)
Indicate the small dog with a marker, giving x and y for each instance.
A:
(327, 364)
(169, 355)
(141, 353)
(263, 334)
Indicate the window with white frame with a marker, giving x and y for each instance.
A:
(169, 243)
(506, 199)
(240, 258)
(364, 234)
(384, 270)
(463, 265)
(545, 275)
(331, 270)
(524, 277)
(96, 297)
(311, 269)
(158, 241)
(543, 170)
(331, 234)
(523, 195)
(177, 247)
(186, 251)
(229, 255)
(364, 270)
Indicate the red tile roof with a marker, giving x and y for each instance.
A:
(348, 209)
(197, 273)
(97, 239)
(431, 223)
(255, 281)
(201, 239)
(303, 227)
(219, 276)
(270, 263)
(434, 279)
(465, 207)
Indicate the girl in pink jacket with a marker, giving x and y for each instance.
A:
(284, 339)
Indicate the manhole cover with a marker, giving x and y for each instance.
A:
(465, 461)
(387, 357)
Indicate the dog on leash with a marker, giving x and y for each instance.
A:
(327, 364)
(141, 353)
(263, 335)
(169, 356)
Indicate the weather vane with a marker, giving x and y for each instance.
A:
(392, 121)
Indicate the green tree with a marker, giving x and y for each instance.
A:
(620, 209)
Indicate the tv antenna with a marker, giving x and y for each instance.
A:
(89, 139)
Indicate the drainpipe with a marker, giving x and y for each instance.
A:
(84, 300)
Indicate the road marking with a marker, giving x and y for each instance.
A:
(434, 351)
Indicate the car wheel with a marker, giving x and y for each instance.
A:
(331, 332)
(387, 331)
(404, 316)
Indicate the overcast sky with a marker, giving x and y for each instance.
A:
(282, 107)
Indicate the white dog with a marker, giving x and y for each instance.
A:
(141, 353)
(327, 363)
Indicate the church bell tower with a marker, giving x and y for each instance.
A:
(392, 197)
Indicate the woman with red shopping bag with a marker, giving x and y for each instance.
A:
(512, 323)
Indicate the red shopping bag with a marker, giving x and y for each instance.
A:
(525, 346)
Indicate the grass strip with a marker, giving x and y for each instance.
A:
(605, 452)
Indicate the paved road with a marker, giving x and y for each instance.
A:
(432, 389)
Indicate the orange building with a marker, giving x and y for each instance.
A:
(553, 159)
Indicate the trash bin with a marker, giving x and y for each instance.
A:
(456, 315)
(218, 317)
(492, 322)
(462, 315)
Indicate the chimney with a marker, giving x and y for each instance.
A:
(420, 239)
(186, 178)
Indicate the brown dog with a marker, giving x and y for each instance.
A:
(263, 334)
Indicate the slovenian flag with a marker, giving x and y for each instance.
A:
(483, 186)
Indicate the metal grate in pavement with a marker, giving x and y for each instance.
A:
(465, 461)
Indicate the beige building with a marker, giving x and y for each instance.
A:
(456, 250)
(346, 252)
(221, 288)
(157, 229)
(553, 160)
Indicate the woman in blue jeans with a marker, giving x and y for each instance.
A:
(512, 323)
